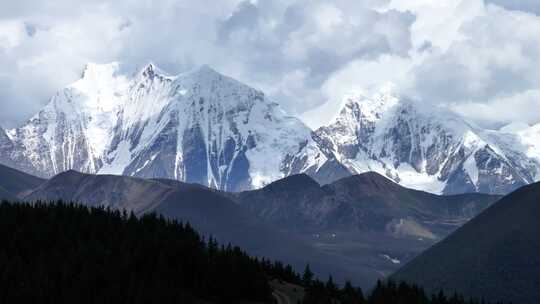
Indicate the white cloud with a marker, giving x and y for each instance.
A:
(11, 34)
(495, 64)
(438, 22)
(360, 76)
(520, 107)
(498, 46)
(479, 60)
(531, 6)
(269, 44)
(466, 54)
(318, 38)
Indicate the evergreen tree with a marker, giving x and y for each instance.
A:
(351, 295)
(307, 277)
(331, 287)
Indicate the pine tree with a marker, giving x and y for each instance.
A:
(331, 287)
(307, 277)
(351, 295)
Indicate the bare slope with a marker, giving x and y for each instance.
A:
(495, 256)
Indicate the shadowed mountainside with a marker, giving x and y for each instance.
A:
(494, 256)
(365, 202)
(207, 210)
(14, 182)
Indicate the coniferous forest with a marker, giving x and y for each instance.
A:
(383, 293)
(67, 253)
(64, 253)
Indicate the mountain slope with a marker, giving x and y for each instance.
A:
(207, 210)
(425, 148)
(14, 183)
(201, 206)
(11, 154)
(365, 202)
(495, 256)
(5, 195)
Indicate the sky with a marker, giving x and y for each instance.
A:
(479, 58)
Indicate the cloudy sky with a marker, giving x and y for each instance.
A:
(479, 58)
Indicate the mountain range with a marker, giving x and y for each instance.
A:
(206, 128)
(361, 228)
(367, 202)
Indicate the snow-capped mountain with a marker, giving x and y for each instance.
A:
(197, 127)
(207, 128)
(427, 148)
(11, 154)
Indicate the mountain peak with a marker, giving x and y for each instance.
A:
(150, 70)
(369, 178)
(369, 105)
(204, 72)
(368, 184)
(296, 181)
(63, 179)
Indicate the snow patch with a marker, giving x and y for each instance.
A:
(413, 179)
(389, 258)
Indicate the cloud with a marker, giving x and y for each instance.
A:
(477, 59)
(531, 6)
(268, 44)
(498, 56)
(469, 55)
(308, 41)
(364, 76)
(504, 110)
(45, 45)
(492, 66)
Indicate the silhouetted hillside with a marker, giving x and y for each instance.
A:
(494, 256)
(365, 202)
